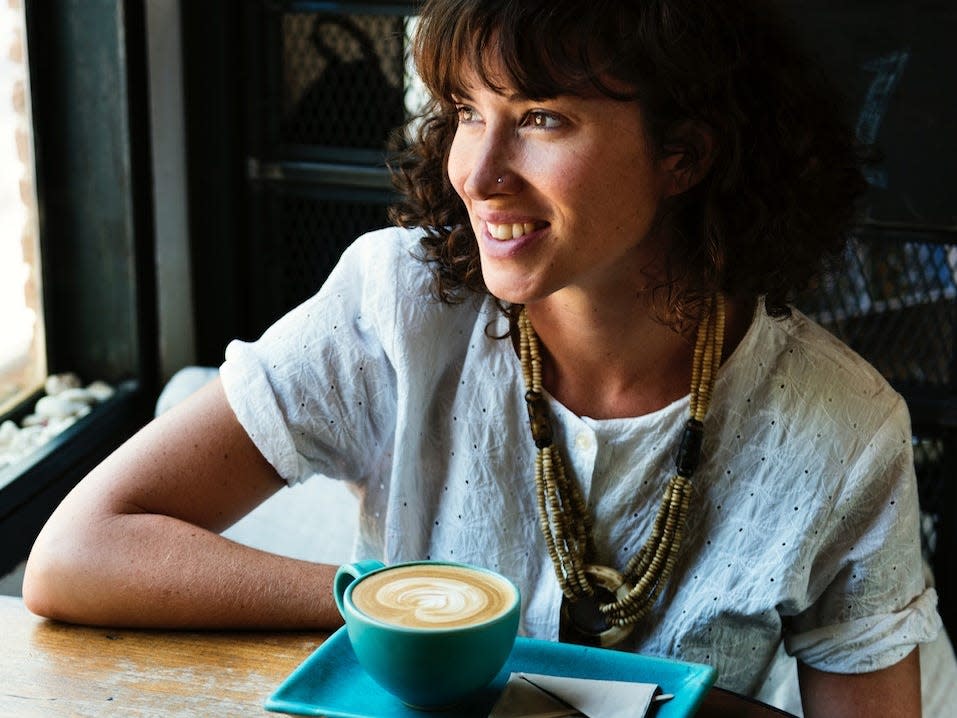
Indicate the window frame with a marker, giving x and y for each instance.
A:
(88, 91)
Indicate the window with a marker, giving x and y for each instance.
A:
(84, 95)
(22, 351)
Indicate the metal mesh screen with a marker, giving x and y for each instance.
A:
(341, 79)
(310, 231)
(314, 232)
(331, 93)
(895, 303)
(932, 463)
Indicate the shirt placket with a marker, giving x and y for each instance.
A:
(580, 449)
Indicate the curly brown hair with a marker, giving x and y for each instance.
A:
(779, 196)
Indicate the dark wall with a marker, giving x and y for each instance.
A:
(897, 62)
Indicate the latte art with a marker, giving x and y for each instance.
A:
(424, 596)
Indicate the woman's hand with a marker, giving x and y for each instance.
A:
(892, 691)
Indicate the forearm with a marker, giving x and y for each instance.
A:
(135, 543)
(164, 572)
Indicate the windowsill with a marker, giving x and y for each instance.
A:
(31, 488)
(68, 438)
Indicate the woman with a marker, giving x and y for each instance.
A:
(609, 203)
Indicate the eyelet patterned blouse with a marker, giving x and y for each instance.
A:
(804, 529)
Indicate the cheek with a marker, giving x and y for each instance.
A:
(457, 168)
(629, 185)
(580, 176)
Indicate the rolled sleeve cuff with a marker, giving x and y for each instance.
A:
(243, 379)
(868, 644)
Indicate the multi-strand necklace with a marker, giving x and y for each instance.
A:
(602, 604)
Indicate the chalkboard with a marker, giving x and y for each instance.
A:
(896, 62)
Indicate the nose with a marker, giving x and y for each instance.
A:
(491, 167)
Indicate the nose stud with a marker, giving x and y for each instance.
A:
(500, 180)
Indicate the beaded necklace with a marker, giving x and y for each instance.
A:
(603, 605)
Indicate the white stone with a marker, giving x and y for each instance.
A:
(56, 383)
(78, 395)
(8, 432)
(100, 390)
(57, 426)
(28, 439)
(66, 401)
(55, 407)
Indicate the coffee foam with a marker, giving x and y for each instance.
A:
(424, 596)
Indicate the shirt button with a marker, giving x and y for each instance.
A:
(583, 442)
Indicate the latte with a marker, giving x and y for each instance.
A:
(440, 596)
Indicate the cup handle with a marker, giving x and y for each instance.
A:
(348, 573)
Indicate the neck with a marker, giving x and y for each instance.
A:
(605, 362)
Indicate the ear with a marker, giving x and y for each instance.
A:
(688, 154)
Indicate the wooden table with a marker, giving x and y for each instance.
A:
(50, 669)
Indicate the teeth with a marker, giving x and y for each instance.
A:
(510, 231)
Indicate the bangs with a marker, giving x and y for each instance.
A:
(539, 49)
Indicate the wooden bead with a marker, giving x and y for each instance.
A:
(563, 514)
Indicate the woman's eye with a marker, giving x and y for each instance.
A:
(542, 120)
(465, 113)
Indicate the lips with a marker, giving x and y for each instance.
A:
(511, 230)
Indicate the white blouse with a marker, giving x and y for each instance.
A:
(804, 531)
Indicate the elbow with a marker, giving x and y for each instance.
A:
(47, 581)
(37, 596)
(39, 585)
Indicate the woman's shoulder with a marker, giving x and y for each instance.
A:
(390, 285)
(800, 403)
(394, 237)
(384, 272)
(798, 366)
(389, 251)
(805, 346)
(823, 352)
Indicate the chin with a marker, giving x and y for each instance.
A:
(510, 288)
(509, 294)
(506, 297)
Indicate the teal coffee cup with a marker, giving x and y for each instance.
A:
(431, 633)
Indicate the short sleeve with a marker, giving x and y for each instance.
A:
(871, 643)
(869, 602)
(316, 393)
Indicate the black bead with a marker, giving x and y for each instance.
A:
(538, 419)
(689, 452)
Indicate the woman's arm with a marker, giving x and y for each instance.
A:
(136, 543)
(892, 691)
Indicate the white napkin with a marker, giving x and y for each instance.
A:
(594, 698)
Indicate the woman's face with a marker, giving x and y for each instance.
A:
(561, 193)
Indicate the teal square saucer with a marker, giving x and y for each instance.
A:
(331, 683)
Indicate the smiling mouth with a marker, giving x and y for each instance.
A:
(511, 231)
